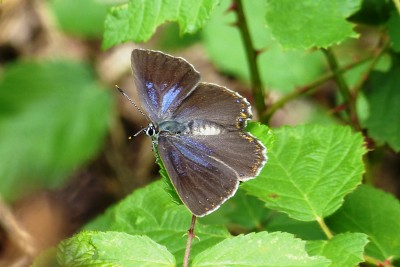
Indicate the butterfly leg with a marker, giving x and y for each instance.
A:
(155, 150)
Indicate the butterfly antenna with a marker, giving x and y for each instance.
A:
(136, 134)
(133, 103)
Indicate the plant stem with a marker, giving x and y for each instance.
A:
(307, 89)
(251, 53)
(324, 227)
(344, 89)
(376, 262)
(17, 234)
(375, 59)
(367, 258)
(191, 235)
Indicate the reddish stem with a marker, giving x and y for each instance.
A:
(191, 235)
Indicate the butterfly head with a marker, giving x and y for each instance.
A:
(151, 130)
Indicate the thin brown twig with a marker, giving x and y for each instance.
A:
(307, 89)
(191, 235)
(15, 231)
(367, 72)
(251, 53)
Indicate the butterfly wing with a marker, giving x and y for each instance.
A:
(216, 104)
(206, 163)
(218, 116)
(162, 82)
(202, 182)
(239, 150)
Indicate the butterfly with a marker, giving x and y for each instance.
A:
(197, 130)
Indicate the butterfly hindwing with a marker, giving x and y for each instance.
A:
(203, 183)
(216, 104)
(217, 117)
(240, 151)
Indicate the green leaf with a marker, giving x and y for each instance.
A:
(262, 132)
(343, 249)
(112, 249)
(53, 118)
(138, 20)
(240, 213)
(383, 97)
(246, 211)
(225, 47)
(310, 23)
(81, 18)
(375, 213)
(310, 170)
(46, 258)
(169, 39)
(149, 211)
(394, 31)
(259, 249)
(283, 223)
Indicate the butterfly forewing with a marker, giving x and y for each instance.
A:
(162, 82)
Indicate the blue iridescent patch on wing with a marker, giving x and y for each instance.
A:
(169, 97)
(177, 162)
(190, 154)
(152, 93)
(200, 146)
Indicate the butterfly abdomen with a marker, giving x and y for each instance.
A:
(193, 127)
(203, 127)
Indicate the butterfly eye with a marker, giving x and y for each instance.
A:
(150, 131)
